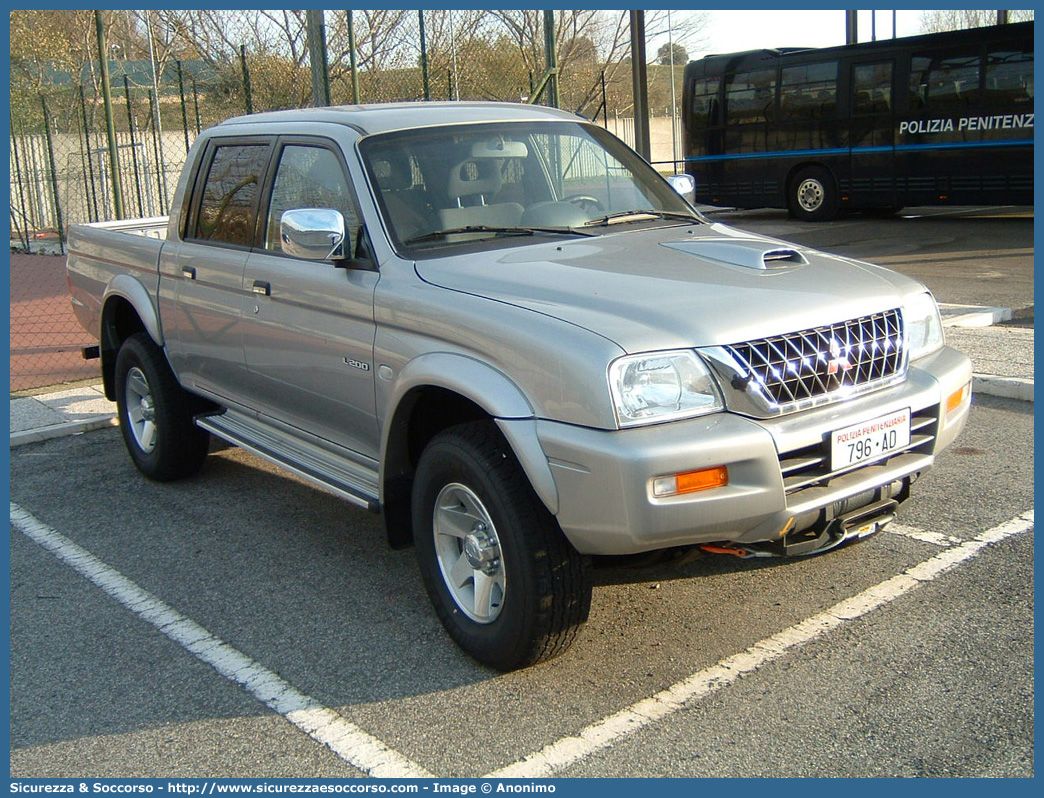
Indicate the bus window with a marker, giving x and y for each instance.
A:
(944, 81)
(749, 97)
(1009, 75)
(872, 89)
(808, 91)
(705, 103)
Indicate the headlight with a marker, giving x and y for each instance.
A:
(924, 333)
(661, 386)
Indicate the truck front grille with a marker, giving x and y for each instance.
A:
(795, 367)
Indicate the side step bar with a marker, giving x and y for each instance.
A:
(342, 477)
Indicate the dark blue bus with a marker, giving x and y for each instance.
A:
(939, 119)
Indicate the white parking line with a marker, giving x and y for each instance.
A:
(605, 733)
(935, 538)
(345, 739)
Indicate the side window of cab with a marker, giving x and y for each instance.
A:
(228, 199)
(310, 176)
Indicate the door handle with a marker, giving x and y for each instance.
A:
(262, 288)
(188, 272)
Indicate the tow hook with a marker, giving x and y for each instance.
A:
(862, 523)
(743, 554)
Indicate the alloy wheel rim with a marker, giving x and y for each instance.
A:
(468, 552)
(810, 195)
(141, 410)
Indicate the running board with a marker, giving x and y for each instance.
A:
(342, 477)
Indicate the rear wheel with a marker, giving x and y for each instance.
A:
(156, 413)
(504, 581)
(813, 195)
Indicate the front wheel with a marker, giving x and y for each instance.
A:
(813, 195)
(156, 414)
(504, 581)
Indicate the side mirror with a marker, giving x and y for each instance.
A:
(313, 234)
(684, 185)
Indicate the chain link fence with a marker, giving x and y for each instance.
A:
(96, 138)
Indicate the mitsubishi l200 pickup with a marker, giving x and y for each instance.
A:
(501, 329)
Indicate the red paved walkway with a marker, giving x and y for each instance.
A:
(45, 336)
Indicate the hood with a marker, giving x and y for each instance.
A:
(675, 287)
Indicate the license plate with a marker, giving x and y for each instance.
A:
(869, 440)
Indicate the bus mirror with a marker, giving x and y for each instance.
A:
(684, 185)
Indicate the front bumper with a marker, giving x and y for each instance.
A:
(603, 479)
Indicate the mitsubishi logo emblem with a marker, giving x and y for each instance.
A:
(837, 362)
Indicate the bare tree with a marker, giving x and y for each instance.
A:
(943, 20)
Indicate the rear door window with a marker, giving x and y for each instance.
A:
(227, 212)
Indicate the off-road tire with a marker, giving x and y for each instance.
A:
(541, 584)
(156, 414)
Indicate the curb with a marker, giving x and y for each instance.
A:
(61, 430)
(972, 315)
(1006, 387)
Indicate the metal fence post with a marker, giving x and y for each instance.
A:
(110, 125)
(92, 189)
(605, 104)
(184, 106)
(157, 122)
(351, 59)
(157, 152)
(316, 32)
(83, 173)
(551, 57)
(640, 85)
(54, 175)
(246, 79)
(21, 185)
(133, 145)
(423, 56)
(195, 107)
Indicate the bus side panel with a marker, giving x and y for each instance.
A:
(967, 137)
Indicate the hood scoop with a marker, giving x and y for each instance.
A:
(751, 253)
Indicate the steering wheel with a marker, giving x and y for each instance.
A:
(585, 202)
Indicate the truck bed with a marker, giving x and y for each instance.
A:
(100, 252)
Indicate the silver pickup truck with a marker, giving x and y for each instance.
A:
(498, 327)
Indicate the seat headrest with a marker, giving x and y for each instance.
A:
(392, 169)
(474, 176)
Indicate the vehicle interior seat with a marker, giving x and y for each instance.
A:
(407, 204)
(470, 185)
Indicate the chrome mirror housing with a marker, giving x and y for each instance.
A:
(313, 234)
(684, 185)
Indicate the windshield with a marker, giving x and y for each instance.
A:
(448, 185)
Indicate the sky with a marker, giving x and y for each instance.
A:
(731, 31)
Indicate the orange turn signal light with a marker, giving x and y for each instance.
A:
(690, 481)
(957, 398)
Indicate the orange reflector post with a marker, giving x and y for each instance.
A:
(690, 481)
(957, 398)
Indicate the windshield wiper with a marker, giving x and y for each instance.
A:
(640, 214)
(482, 228)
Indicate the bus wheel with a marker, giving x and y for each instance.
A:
(813, 195)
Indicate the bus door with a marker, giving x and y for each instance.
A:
(871, 135)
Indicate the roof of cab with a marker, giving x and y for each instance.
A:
(381, 118)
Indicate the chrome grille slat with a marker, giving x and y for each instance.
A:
(809, 364)
(792, 464)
